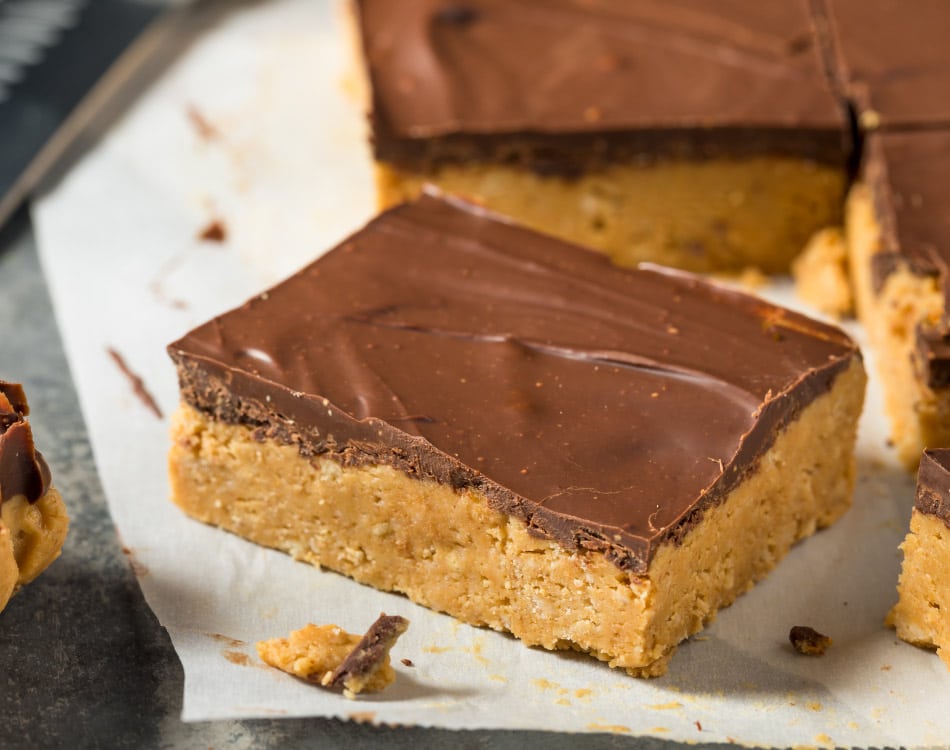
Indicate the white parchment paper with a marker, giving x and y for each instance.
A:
(285, 169)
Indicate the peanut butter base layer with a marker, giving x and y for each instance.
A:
(450, 551)
(715, 215)
(31, 538)
(919, 415)
(922, 614)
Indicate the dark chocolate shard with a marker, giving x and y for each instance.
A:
(23, 470)
(369, 654)
(16, 397)
(933, 485)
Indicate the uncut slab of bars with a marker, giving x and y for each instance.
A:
(507, 428)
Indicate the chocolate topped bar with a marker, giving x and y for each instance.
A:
(892, 59)
(33, 519)
(579, 81)
(907, 173)
(606, 408)
(933, 485)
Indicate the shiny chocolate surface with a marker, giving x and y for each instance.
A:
(552, 84)
(605, 407)
(892, 59)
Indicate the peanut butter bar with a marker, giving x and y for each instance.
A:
(898, 235)
(33, 520)
(703, 135)
(922, 615)
(507, 428)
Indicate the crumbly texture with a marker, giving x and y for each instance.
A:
(808, 641)
(919, 415)
(320, 654)
(713, 215)
(450, 551)
(31, 537)
(821, 273)
(922, 613)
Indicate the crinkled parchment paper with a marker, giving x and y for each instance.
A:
(256, 127)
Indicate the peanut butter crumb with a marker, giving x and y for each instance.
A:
(329, 656)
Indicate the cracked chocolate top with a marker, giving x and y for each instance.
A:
(565, 80)
(892, 59)
(907, 173)
(604, 407)
(23, 471)
(933, 485)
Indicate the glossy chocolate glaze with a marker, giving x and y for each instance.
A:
(23, 471)
(563, 84)
(908, 173)
(933, 485)
(606, 408)
(892, 59)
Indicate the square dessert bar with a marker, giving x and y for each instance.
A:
(922, 614)
(695, 134)
(507, 428)
(898, 232)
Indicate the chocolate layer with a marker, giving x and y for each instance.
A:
(569, 84)
(907, 173)
(606, 408)
(933, 485)
(370, 653)
(891, 58)
(23, 471)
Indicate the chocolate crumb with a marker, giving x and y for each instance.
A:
(808, 641)
(138, 385)
(407, 662)
(215, 231)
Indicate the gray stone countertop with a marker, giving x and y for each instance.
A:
(83, 661)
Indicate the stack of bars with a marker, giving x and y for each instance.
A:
(523, 433)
